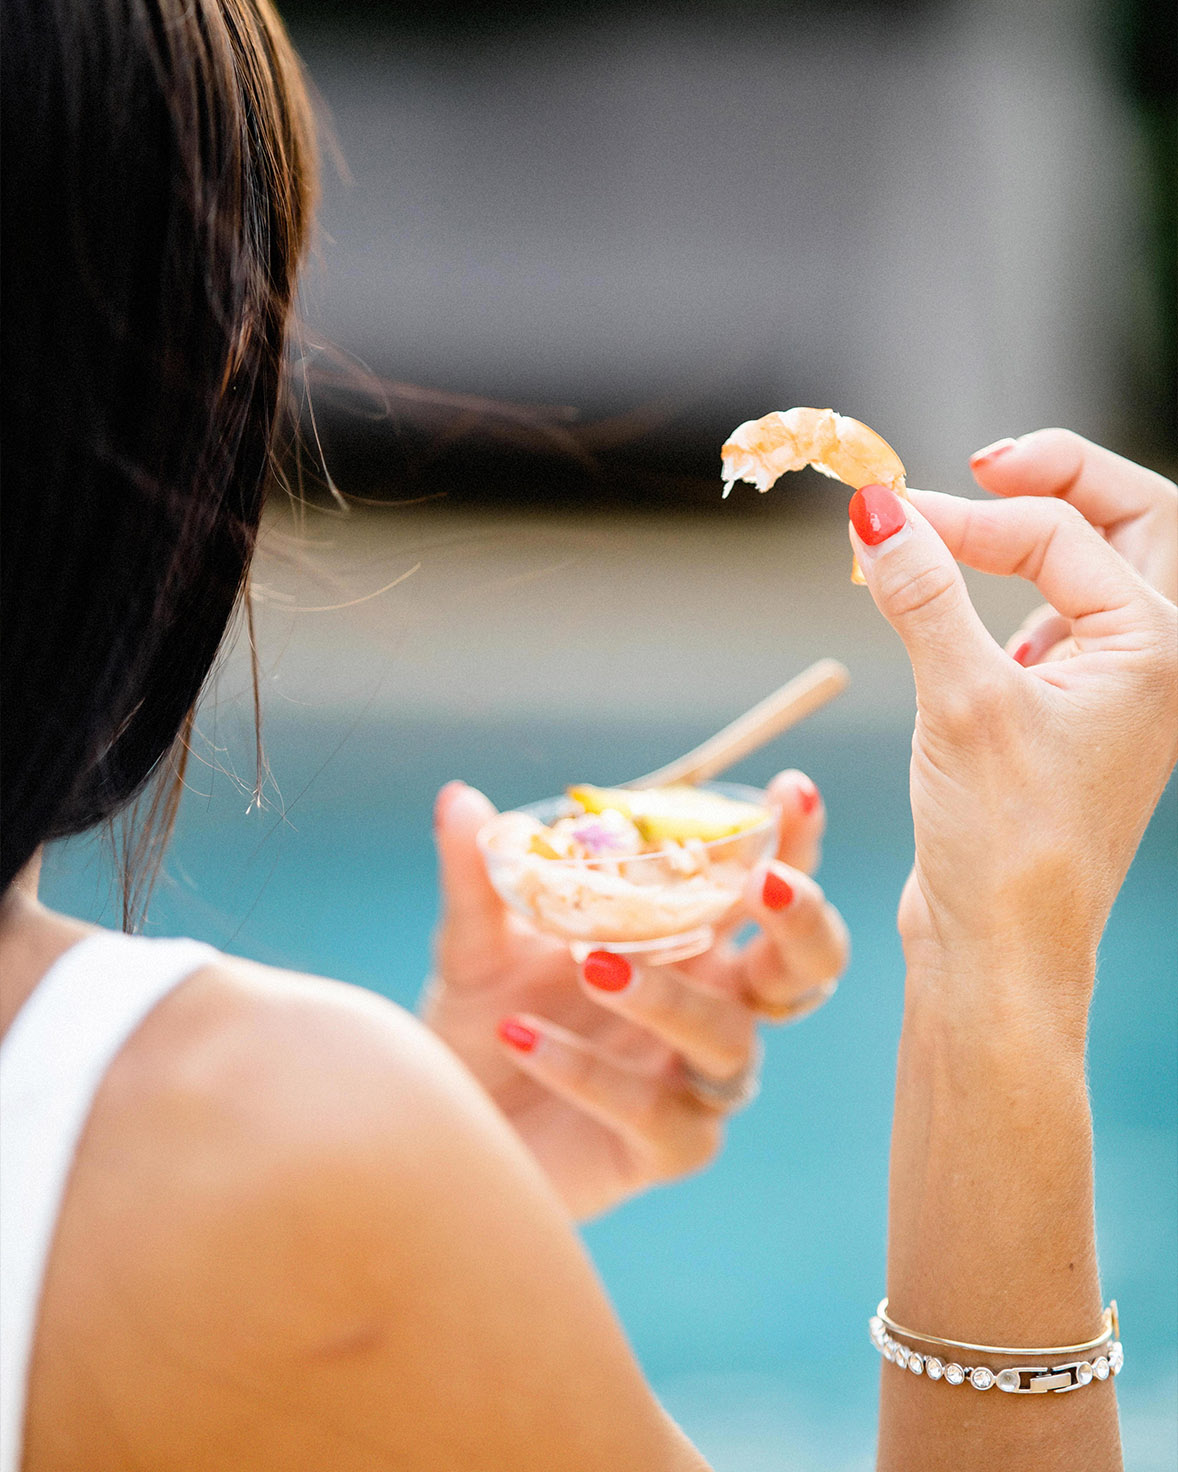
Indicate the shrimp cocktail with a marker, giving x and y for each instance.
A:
(650, 871)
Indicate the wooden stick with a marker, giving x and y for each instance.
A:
(803, 695)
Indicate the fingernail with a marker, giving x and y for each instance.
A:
(776, 894)
(607, 971)
(808, 796)
(518, 1035)
(876, 514)
(1020, 654)
(989, 453)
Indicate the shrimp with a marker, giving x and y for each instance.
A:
(762, 450)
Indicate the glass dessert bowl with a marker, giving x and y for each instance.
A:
(649, 872)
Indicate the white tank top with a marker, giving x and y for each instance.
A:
(52, 1061)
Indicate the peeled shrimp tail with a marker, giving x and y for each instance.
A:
(762, 450)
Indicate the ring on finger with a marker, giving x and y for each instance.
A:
(801, 1006)
(728, 1094)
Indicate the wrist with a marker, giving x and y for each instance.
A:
(999, 1005)
(1045, 918)
(991, 1206)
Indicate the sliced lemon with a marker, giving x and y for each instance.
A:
(676, 813)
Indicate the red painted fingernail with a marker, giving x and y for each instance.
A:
(1020, 654)
(606, 971)
(808, 796)
(518, 1034)
(989, 453)
(876, 514)
(776, 894)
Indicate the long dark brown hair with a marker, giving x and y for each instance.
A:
(156, 189)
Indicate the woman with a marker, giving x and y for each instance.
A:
(296, 1232)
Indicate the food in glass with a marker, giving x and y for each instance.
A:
(650, 871)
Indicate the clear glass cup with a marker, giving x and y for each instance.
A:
(662, 906)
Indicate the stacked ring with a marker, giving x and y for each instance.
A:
(727, 1094)
(800, 1007)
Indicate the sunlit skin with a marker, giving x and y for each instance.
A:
(300, 1235)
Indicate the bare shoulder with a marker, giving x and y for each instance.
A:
(298, 1229)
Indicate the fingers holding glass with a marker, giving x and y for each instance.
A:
(705, 1008)
(792, 966)
(712, 1029)
(789, 967)
(802, 819)
(669, 1129)
(471, 910)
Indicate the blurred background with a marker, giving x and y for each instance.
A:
(563, 251)
(954, 218)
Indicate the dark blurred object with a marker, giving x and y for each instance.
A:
(438, 17)
(1144, 36)
(373, 439)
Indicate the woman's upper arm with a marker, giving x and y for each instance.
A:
(346, 1257)
(481, 1336)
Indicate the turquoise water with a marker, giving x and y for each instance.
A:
(745, 1290)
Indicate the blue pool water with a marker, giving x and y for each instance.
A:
(745, 1290)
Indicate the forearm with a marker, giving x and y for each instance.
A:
(991, 1233)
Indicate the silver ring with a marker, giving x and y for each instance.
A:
(801, 1006)
(727, 1094)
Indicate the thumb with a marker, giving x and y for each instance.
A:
(916, 584)
(471, 910)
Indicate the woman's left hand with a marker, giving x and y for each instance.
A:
(593, 1065)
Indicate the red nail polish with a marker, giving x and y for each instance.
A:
(1020, 654)
(518, 1035)
(989, 453)
(776, 894)
(607, 971)
(808, 797)
(876, 514)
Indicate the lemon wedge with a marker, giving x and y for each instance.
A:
(675, 813)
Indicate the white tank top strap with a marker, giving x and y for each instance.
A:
(52, 1062)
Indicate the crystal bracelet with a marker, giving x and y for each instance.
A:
(1014, 1379)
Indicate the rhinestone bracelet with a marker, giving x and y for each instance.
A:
(1015, 1380)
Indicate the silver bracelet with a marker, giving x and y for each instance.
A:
(1014, 1380)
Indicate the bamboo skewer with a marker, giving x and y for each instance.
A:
(797, 699)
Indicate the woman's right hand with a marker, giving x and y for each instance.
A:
(1031, 787)
(1134, 509)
